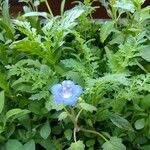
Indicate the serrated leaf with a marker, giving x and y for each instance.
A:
(68, 134)
(139, 124)
(2, 100)
(120, 122)
(114, 144)
(105, 30)
(29, 145)
(45, 130)
(62, 116)
(88, 107)
(13, 145)
(77, 146)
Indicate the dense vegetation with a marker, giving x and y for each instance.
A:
(109, 59)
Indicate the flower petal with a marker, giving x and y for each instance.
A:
(67, 83)
(55, 89)
(77, 90)
(70, 101)
(58, 99)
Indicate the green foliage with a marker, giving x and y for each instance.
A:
(114, 144)
(109, 59)
(77, 145)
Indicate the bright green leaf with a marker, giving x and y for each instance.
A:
(105, 30)
(62, 116)
(145, 53)
(139, 124)
(77, 146)
(29, 145)
(88, 107)
(114, 144)
(13, 145)
(68, 134)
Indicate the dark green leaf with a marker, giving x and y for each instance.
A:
(2, 100)
(45, 130)
(120, 122)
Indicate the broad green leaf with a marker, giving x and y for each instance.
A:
(62, 116)
(120, 122)
(139, 124)
(77, 146)
(144, 15)
(68, 134)
(45, 130)
(16, 112)
(114, 144)
(2, 100)
(13, 144)
(125, 5)
(68, 20)
(29, 145)
(88, 107)
(145, 53)
(105, 30)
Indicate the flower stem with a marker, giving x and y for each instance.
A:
(49, 9)
(75, 124)
(94, 132)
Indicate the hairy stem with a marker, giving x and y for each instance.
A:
(94, 132)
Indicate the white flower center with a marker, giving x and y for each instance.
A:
(66, 92)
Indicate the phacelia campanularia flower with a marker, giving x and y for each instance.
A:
(66, 93)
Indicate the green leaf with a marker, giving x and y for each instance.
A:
(45, 130)
(2, 99)
(13, 145)
(77, 146)
(3, 83)
(68, 134)
(114, 144)
(139, 124)
(29, 145)
(120, 122)
(90, 142)
(62, 116)
(146, 147)
(145, 53)
(88, 107)
(68, 20)
(35, 14)
(125, 5)
(17, 112)
(105, 30)
(145, 102)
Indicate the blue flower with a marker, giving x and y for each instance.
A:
(66, 93)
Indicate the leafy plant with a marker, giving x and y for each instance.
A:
(107, 59)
